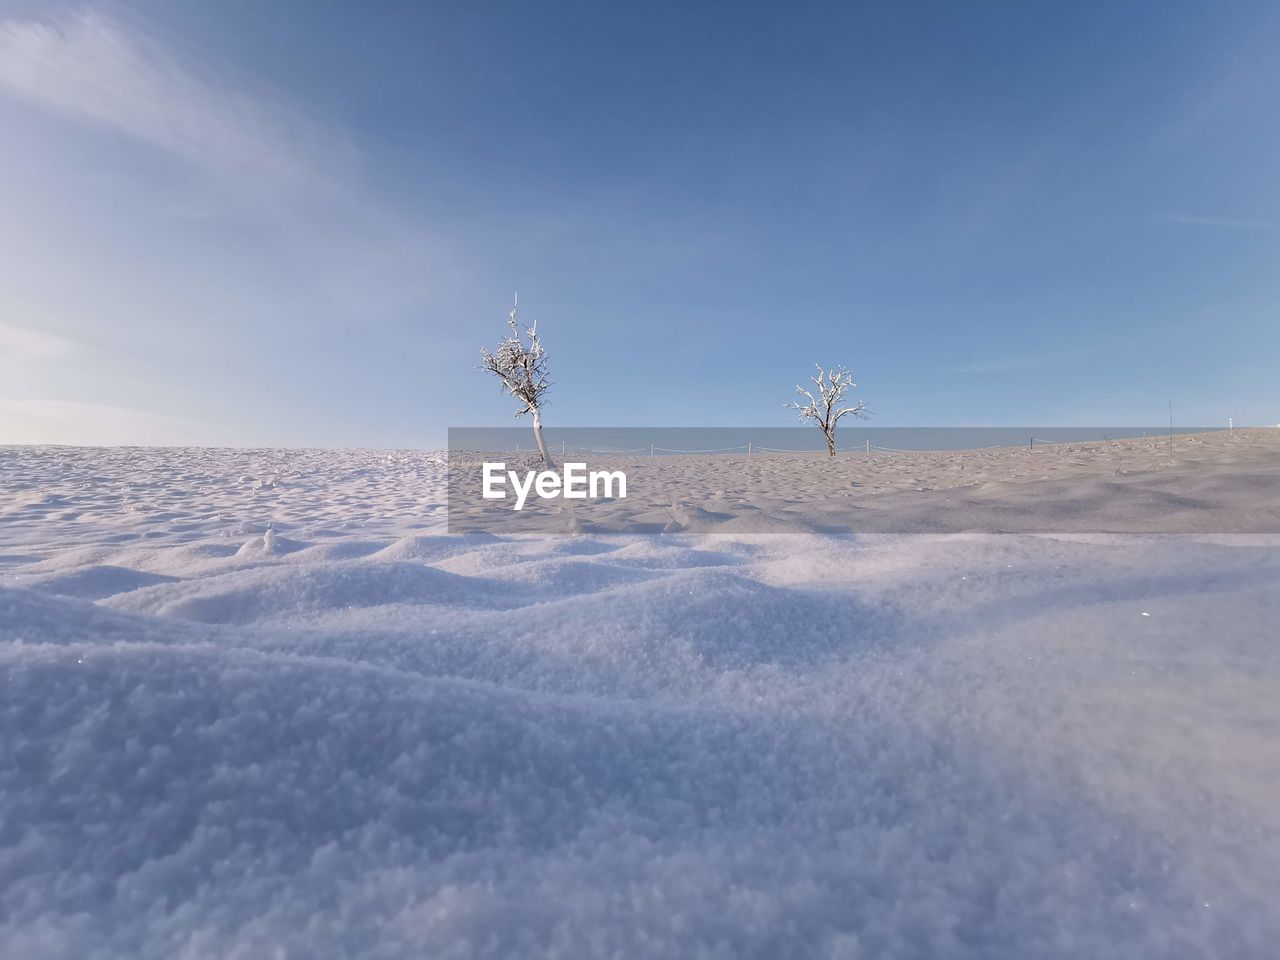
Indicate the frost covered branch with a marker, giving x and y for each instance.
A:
(825, 411)
(522, 368)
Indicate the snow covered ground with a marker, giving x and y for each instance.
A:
(1221, 482)
(259, 704)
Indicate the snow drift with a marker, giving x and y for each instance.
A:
(373, 740)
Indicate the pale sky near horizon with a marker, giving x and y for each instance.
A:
(297, 223)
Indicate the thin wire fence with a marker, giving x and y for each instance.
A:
(751, 448)
(866, 447)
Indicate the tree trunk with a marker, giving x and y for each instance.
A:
(831, 444)
(537, 436)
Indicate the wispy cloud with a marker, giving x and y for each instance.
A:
(317, 246)
(91, 69)
(263, 160)
(24, 344)
(1225, 223)
(83, 423)
(996, 365)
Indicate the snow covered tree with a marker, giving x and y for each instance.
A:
(522, 368)
(826, 411)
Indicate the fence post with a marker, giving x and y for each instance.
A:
(1032, 444)
(748, 448)
(868, 446)
(651, 451)
(561, 449)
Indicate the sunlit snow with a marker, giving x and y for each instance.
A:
(258, 703)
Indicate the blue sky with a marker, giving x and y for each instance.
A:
(296, 223)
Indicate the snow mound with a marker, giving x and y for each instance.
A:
(97, 581)
(285, 592)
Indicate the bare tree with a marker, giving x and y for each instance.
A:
(826, 410)
(522, 368)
